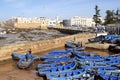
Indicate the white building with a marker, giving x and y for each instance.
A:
(79, 22)
(54, 22)
(82, 21)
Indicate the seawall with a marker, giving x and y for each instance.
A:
(43, 45)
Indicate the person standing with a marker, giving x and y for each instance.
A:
(28, 54)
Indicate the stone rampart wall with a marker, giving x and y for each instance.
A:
(29, 25)
(39, 46)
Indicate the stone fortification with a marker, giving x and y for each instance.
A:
(29, 25)
(39, 46)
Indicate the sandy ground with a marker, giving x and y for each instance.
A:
(9, 70)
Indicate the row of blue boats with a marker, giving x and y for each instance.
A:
(80, 67)
(74, 64)
(110, 38)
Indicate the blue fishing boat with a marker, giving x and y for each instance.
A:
(113, 62)
(76, 49)
(26, 62)
(18, 56)
(93, 63)
(58, 60)
(104, 68)
(23, 63)
(56, 54)
(73, 45)
(69, 75)
(100, 38)
(89, 58)
(116, 41)
(70, 44)
(110, 38)
(111, 75)
(80, 53)
(112, 56)
(54, 64)
(67, 67)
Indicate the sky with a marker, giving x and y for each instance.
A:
(65, 9)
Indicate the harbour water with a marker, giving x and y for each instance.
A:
(9, 70)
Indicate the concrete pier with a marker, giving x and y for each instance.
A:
(99, 46)
(68, 30)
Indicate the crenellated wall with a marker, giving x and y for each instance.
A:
(39, 46)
